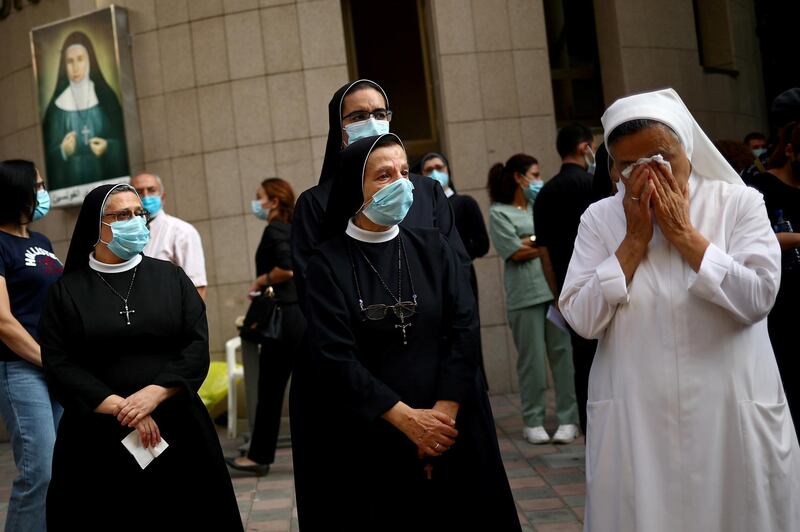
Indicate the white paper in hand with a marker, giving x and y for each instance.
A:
(555, 316)
(143, 456)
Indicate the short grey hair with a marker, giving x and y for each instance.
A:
(158, 179)
(634, 126)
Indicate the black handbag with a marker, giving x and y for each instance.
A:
(264, 319)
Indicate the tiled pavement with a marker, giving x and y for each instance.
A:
(547, 480)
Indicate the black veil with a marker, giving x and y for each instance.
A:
(334, 145)
(87, 227)
(347, 193)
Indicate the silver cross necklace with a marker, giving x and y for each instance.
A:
(127, 312)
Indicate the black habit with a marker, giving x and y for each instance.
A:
(363, 367)
(429, 210)
(89, 353)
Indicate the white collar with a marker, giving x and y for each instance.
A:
(78, 96)
(448, 192)
(371, 237)
(102, 267)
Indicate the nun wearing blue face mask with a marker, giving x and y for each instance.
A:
(124, 343)
(411, 443)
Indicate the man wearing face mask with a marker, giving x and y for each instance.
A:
(171, 238)
(557, 215)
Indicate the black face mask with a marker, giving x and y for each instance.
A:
(796, 169)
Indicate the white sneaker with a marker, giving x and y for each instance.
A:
(565, 433)
(535, 435)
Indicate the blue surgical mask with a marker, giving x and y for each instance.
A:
(591, 163)
(532, 190)
(758, 152)
(390, 204)
(42, 205)
(152, 204)
(128, 238)
(365, 128)
(441, 177)
(259, 210)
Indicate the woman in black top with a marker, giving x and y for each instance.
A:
(467, 213)
(780, 185)
(469, 222)
(274, 203)
(27, 269)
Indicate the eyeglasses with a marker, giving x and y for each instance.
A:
(377, 114)
(124, 216)
(402, 310)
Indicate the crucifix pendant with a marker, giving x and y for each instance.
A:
(127, 313)
(85, 132)
(403, 326)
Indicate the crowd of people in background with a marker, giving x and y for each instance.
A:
(366, 294)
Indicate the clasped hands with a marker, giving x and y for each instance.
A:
(135, 411)
(432, 430)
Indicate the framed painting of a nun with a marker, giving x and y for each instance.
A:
(87, 103)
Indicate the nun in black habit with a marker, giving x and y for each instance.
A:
(413, 443)
(429, 210)
(125, 348)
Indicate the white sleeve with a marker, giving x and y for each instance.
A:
(595, 284)
(189, 254)
(745, 279)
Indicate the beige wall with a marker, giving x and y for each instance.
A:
(649, 44)
(229, 92)
(233, 91)
(493, 81)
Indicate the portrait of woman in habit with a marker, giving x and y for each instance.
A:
(83, 128)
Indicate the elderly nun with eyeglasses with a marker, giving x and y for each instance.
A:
(688, 427)
(393, 341)
(125, 348)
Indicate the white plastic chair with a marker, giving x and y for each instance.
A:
(235, 373)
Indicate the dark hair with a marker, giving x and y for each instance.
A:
(737, 154)
(602, 184)
(437, 155)
(502, 185)
(281, 190)
(17, 191)
(754, 135)
(634, 126)
(569, 137)
(789, 134)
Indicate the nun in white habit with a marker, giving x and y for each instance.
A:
(675, 274)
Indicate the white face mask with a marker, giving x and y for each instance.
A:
(366, 128)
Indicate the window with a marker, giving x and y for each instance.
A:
(387, 43)
(714, 40)
(574, 61)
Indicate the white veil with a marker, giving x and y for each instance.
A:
(666, 106)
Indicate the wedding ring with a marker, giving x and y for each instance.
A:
(635, 198)
(436, 446)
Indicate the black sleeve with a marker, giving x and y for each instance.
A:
(190, 368)
(457, 370)
(276, 246)
(334, 349)
(74, 386)
(472, 228)
(305, 235)
(445, 222)
(540, 219)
